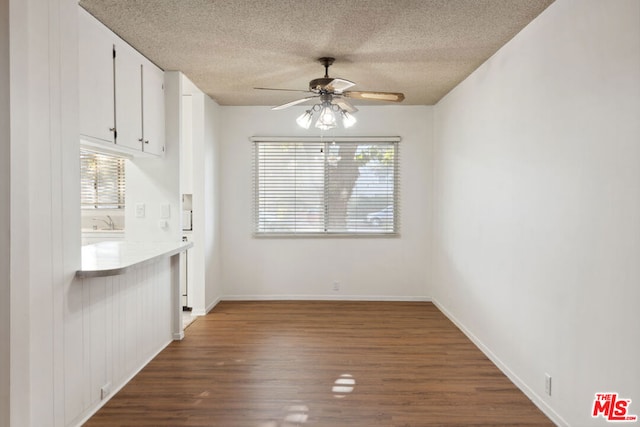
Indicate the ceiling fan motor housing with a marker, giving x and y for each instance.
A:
(318, 85)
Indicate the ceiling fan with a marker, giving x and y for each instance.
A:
(333, 96)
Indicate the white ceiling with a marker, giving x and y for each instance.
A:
(420, 47)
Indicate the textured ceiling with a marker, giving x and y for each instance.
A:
(420, 47)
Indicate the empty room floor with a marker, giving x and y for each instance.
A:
(321, 363)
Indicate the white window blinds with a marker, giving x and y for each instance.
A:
(102, 182)
(340, 186)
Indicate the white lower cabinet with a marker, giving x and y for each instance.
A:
(121, 93)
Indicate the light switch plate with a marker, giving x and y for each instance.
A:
(140, 210)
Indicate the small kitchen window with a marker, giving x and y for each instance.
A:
(102, 181)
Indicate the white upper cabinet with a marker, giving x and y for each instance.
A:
(121, 93)
(96, 47)
(153, 108)
(128, 97)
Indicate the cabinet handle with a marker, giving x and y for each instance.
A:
(112, 129)
(140, 139)
(147, 141)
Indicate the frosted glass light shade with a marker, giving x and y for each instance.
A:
(304, 120)
(348, 120)
(327, 119)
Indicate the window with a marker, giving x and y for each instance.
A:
(101, 181)
(340, 186)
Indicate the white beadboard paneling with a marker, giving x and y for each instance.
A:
(41, 244)
(98, 336)
(74, 340)
(85, 366)
(126, 321)
(74, 327)
(5, 219)
(19, 268)
(43, 150)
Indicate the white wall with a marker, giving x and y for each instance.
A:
(156, 181)
(199, 219)
(388, 268)
(199, 147)
(5, 223)
(202, 178)
(211, 203)
(537, 230)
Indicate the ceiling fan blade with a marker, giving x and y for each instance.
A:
(289, 104)
(287, 90)
(375, 96)
(344, 104)
(338, 85)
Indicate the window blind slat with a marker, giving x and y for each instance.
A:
(311, 187)
(102, 181)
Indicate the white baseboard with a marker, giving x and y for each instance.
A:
(212, 305)
(324, 298)
(533, 396)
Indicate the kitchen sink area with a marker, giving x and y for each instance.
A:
(102, 227)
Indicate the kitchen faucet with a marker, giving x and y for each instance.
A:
(109, 223)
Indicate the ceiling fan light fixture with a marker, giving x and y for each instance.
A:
(334, 100)
(327, 119)
(348, 120)
(304, 120)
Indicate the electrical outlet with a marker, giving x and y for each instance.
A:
(547, 384)
(336, 286)
(105, 390)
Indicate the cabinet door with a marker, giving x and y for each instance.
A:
(95, 79)
(153, 108)
(128, 97)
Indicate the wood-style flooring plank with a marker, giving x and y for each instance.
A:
(320, 363)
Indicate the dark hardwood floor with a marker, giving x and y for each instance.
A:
(284, 364)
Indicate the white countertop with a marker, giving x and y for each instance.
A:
(101, 231)
(111, 258)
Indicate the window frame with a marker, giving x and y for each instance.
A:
(257, 233)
